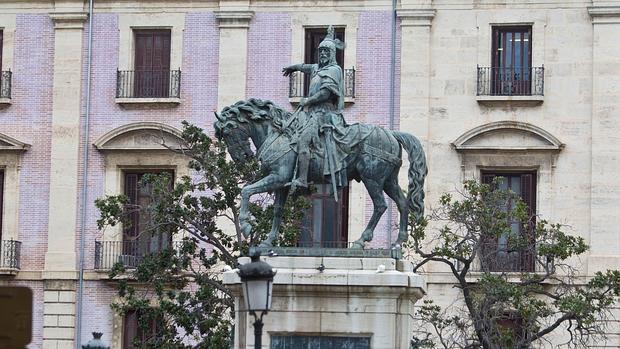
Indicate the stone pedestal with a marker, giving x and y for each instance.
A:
(371, 298)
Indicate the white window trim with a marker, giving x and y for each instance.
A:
(7, 25)
(127, 22)
(148, 156)
(10, 163)
(487, 20)
(499, 157)
(301, 21)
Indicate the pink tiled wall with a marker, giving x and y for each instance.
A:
(269, 50)
(372, 92)
(28, 119)
(96, 311)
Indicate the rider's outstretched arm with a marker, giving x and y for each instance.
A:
(306, 68)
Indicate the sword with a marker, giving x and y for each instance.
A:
(331, 162)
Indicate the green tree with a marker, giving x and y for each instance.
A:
(502, 306)
(180, 288)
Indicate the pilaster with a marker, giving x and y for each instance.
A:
(234, 22)
(415, 25)
(605, 186)
(60, 259)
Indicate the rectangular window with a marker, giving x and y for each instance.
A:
(497, 254)
(133, 330)
(326, 223)
(152, 63)
(512, 60)
(136, 240)
(323, 342)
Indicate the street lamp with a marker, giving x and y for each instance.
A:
(257, 284)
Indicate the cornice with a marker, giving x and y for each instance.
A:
(416, 17)
(234, 19)
(69, 20)
(604, 14)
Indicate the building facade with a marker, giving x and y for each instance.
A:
(529, 90)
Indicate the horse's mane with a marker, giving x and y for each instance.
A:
(253, 109)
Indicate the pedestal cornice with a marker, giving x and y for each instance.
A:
(416, 17)
(234, 19)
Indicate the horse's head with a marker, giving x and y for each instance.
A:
(244, 120)
(235, 135)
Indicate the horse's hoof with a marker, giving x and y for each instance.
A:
(357, 245)
(265, 244)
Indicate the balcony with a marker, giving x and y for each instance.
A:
(10, 251)
(298, 82)
(5, 87)
(510, 84)
(502, 259)
(150, 87)
(129, 253)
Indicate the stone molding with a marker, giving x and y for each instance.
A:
(416, 17)
(604, 14)
(69, 20)
(234, 19)
(553, 144)
(106, 141)
(11, 144)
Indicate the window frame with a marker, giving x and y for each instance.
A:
(127, 343)
(528, 195)
(503, 75)
(128, 247)
(149, 82)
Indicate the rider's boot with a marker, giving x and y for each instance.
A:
(303, 162)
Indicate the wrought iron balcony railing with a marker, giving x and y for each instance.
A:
(493, 257)
(5, 84)
(299, 83)
(10, 251)
(498, 81)
(148, 84)
(129, 253)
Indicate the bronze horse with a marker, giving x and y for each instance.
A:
(375, 160)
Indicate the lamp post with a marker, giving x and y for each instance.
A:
(257, 284)
(96, 342)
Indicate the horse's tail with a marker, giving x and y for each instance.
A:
(417, 172)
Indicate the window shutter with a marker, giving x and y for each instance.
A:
(130, 329)
(131, 190)
(528, 194)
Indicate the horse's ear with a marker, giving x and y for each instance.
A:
(217, 116)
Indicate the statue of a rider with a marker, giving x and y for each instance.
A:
(324, 106)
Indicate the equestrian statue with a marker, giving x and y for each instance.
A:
(314, 144)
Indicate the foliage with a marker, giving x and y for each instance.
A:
(535, 291)
(180, 287)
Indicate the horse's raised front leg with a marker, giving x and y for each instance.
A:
(269, 183)
(375, 190)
